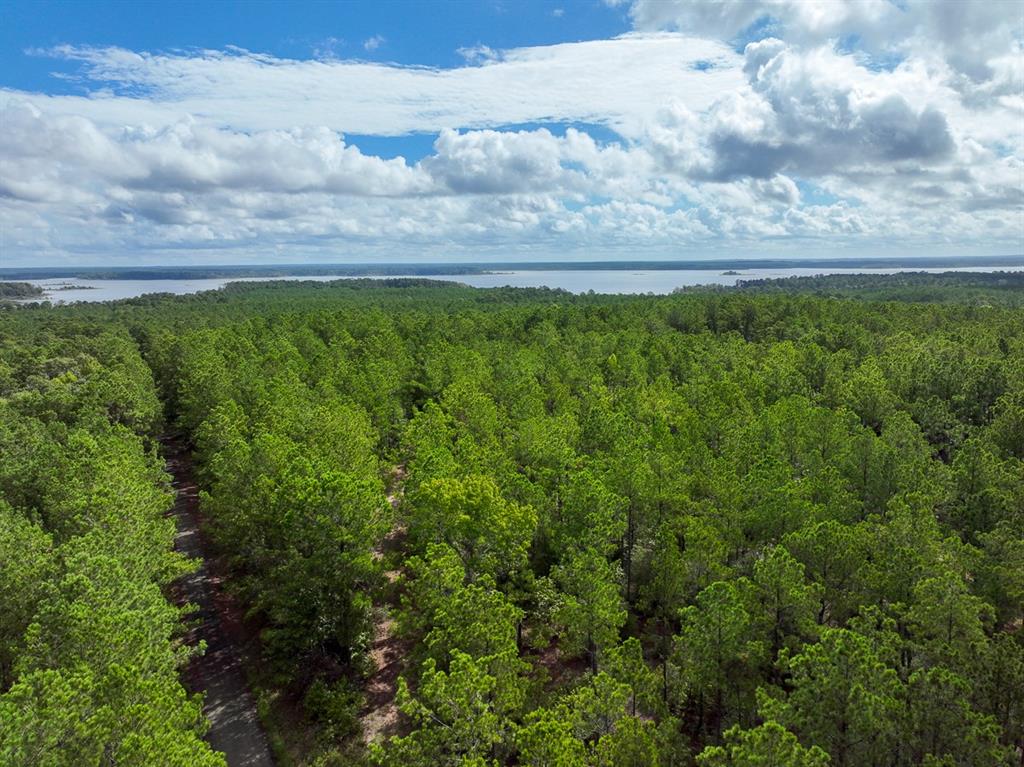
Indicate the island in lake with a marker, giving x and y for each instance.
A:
(20, 290)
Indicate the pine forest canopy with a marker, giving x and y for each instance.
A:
(781, 524)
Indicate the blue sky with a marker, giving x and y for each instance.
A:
(245, 132)
(416, 33)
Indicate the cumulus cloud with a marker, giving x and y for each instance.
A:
(45, 157)
(491, 162)
(511, 162)
(819, 112)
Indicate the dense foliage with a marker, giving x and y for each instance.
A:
(720, 529)
(89, 656)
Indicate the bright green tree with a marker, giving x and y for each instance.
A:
(490, 533)
(843, 698)
(547, 738)
(768, 745)
(717, 654)
(591, 610)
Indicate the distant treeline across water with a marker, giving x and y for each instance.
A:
(179, 272)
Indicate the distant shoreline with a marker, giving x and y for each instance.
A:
(442, 269)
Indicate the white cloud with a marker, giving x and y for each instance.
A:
(328, 48)
(373, 43)
(818, 112)
(492, 162)
(620, 82)
(479, 54)
(46, 157)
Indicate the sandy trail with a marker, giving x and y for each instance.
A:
(231, 710)
(380, 716)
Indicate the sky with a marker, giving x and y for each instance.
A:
(233, 132)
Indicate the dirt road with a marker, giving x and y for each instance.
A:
(234, 725)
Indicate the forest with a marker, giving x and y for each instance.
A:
(721, 528)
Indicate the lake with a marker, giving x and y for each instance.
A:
(68, 289)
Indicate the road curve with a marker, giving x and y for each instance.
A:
(234, 724)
